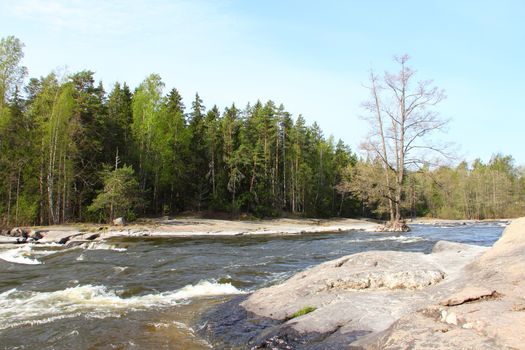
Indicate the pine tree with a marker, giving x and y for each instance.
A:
(199, 154)
(179, 141)
(119, 196)
(118, 138)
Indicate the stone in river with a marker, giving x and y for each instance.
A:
(119, 221)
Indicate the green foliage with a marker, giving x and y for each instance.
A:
(11, 72)
(58, 135)
(120, 194)
(478, 191)
(256, 160)
(305, 310)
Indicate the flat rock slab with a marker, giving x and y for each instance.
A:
(194, 227)
(208, 227)
(356, 289)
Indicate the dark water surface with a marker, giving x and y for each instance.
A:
(145, 293)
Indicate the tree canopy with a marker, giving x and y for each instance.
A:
(72, 151)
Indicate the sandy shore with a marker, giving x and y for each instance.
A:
(189, 227)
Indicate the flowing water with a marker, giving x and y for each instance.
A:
(147, 293)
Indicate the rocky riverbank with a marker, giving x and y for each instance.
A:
(458, 297)
(183, 227)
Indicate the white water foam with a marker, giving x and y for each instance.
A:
(205, 288)
(21, 255)
(49, 245)
(29, 308)
(28, 254)
(119, 269)
(102, 246)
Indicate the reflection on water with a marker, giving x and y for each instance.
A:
(145, 293)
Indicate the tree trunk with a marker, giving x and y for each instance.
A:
(41, 192)
(284, 168)
(341, 204)
(64, 191)
(17, 194)
(9, 201)
(383, 146)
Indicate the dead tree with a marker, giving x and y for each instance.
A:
(401, 118)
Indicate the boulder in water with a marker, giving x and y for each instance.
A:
(35, 235)
(19, 232)
(64, 240)
(119, 221)
(20, 240)
(92, 236)
(25, 235)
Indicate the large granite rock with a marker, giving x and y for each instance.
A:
(485, 309)
(119, 221)
(458, 297)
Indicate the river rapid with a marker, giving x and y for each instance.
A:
(149, 293)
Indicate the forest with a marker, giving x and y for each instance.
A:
(71, 151)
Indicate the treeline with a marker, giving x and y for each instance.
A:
(475, 191)
(467, 191)
(60, 135)
(70, 151)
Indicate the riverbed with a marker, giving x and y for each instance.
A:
(148, 293)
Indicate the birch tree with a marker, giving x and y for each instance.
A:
(146, 105)
(12, 74)
(59, 147)
(11, 71)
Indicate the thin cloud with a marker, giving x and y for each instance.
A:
(71, 15)
(113, 17)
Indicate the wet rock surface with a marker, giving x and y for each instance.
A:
(230, 326)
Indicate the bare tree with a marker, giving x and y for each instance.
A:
(401, 118)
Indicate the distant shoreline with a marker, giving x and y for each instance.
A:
(195, 227)
(187, 227)
(436, 221)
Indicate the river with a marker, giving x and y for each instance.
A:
(148, 293)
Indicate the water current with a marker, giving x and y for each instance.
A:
(147, 293)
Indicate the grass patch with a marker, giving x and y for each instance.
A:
(305, 310)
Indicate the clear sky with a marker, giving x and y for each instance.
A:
(312, 56)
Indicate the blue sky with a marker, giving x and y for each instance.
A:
(313, 56)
